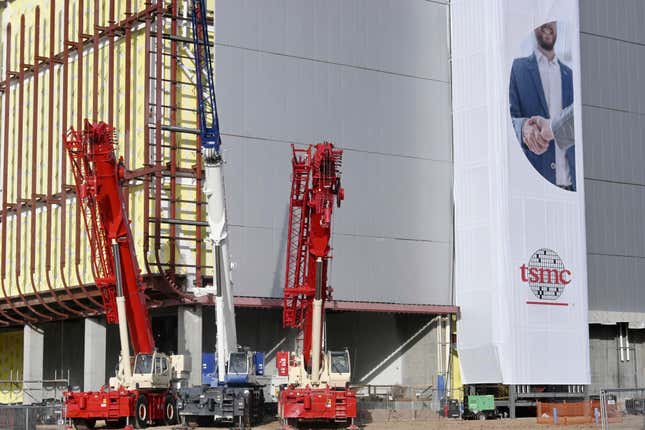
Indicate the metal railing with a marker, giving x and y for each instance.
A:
(385, 403)
(32, 417)
(34, 403)
(622, 408)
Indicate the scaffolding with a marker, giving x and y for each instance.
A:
(127, 63)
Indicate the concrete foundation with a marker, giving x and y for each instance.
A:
(388, 349)
(64, 349)
(189, 339)
(33, 354)
(94, 355)
(610, 368)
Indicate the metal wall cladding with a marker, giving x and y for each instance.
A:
(373, 77)
(612, 56)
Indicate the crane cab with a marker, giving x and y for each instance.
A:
(335, 370)
(339, 368)
(243, 367)
(151, 371)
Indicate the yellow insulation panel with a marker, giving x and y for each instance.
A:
(24, 274)
(10, 366)
(456, 384)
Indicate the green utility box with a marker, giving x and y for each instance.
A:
(480, 408)
(481, 403)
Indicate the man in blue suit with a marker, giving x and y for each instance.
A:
(541, 87)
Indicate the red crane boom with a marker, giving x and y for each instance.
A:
(98, 177)
(315, 188)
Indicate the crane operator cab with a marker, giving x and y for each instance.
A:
(151, 370)
(244, 367)
(156, 370)
(335, 370)
(339, 368)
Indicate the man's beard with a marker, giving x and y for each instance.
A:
(544, 45)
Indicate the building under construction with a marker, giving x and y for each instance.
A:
(375, 78)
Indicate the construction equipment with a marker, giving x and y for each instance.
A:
(480, 407)
(138, 394)
(235, 395)
(318, 380)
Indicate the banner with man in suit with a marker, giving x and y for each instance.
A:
(520, 241)
(540, 91)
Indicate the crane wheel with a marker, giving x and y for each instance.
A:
(170, 411)
(141, 412)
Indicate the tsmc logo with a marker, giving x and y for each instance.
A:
(546, 275)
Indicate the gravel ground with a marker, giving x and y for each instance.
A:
(629, 423)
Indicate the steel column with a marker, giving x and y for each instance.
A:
(34, 165)
(19, 167)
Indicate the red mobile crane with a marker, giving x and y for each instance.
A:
(318, 381)
(141, 394)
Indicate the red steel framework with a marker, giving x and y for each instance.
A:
(166, 145)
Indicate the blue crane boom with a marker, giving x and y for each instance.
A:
(235, 393)
(206, 105)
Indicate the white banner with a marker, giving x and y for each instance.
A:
(521, 275)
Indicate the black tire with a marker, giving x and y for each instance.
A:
(141, 412)
(481, 416)
(170, 411)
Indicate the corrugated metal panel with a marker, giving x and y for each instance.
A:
(303, 72)
(292, 99)
(613, 142)
(384, 35)
(613, 57)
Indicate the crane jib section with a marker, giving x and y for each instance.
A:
(206, 105)
(98, 176)
(315, 189)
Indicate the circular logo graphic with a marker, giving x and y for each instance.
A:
(546, 275)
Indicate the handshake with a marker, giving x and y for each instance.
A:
(537, 133)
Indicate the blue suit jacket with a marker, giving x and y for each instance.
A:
(526, 98)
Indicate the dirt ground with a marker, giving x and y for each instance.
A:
(629, 423)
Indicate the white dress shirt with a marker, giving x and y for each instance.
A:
(552, 86)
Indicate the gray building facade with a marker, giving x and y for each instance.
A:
(612, 42)
(374, 78)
